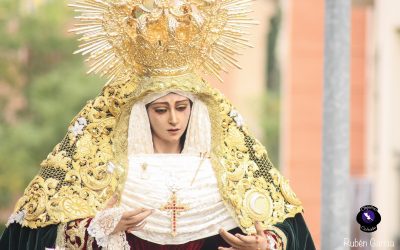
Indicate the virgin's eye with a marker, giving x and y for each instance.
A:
(181, 108)
(160, 111)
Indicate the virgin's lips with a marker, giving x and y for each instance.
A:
(173, 130)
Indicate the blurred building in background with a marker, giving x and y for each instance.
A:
(246, 87)
(383, 135)
(375, 102)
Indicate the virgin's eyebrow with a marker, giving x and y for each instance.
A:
(167, 103)
(182, 101)
(153, 103)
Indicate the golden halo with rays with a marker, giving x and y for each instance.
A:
(161, 37)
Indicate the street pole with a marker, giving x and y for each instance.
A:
(336, 119)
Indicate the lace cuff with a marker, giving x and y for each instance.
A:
(277, 239)
(273, 244)
(102, 226)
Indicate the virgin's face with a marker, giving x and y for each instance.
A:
(169, 117)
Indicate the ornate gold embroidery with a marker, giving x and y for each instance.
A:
(258, 150)
(85, 182)
(60, 240)
(258, 204)
(57, 160)
(90, 242)
(75, 234)
(280, 236)
(286, 191)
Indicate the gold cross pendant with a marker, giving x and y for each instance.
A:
(175, 208)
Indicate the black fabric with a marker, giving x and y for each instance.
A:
(16, 237)
(216, 241)
(296, 231)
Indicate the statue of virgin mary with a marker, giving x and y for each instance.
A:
(160, 159)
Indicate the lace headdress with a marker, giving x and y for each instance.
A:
(198, 135)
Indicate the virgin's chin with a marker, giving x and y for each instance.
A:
(175, 138)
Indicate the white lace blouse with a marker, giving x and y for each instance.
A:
(152, 180)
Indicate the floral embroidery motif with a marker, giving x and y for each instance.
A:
(237, 118)
(78, 127)
(17, 217)
(111, 167)
(114, 167)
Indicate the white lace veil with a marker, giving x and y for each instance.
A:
(198, 135)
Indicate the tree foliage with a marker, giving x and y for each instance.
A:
(42, 86)
(271, 125)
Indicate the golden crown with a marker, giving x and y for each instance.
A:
(161, 37)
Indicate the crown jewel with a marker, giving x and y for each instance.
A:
(161, 37)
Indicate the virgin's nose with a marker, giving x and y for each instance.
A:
(173, 119)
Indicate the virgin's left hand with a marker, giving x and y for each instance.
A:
(243, 242)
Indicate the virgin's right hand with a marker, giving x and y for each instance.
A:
(131, 220)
